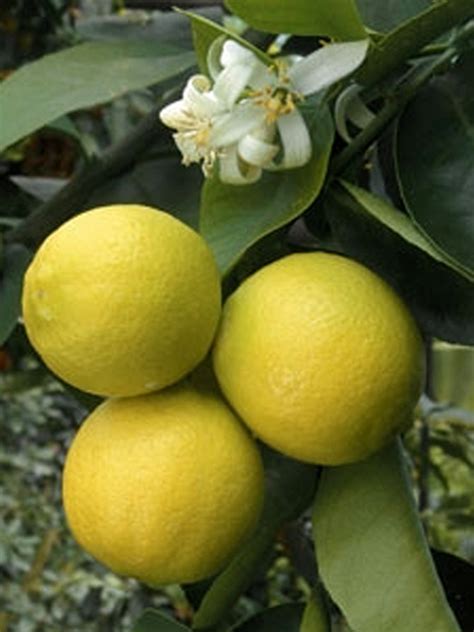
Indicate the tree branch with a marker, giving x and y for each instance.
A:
(71, 198)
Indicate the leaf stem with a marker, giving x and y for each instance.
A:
(405, 41)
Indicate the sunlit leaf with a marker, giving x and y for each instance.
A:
(372, 553)
(315, 616)
(43, 90)
(302, 17)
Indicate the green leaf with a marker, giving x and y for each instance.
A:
(284, 618)
(154, 621)
(290, 487)
(385, 15)
(315, 616)
(302, 17)
(401, 224)
(379, 236)
(14, 263)
(235, 217)
(80, 77)
(205, 32)
(437, 183)
(372, 554)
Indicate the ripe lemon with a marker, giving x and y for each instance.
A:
(320, 358)
(122, 300)
(163, 487)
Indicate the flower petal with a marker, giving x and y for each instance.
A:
(234, 171)
(327, 65)
(256, 152)
(295, 140)
(175, 115)
(350, 107)
(230, 128)
(199, 98)
(231, 82)
(234, 53)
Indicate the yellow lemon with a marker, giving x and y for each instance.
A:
(163, 487)
(122, 300)
(320, 358)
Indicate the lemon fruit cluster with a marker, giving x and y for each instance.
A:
(320, 357)
(122, 300)
(162, 482)
(315, 353)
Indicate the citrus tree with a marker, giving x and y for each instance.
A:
(310, 164)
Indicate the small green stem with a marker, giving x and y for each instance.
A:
(394, 105)
(393, 50)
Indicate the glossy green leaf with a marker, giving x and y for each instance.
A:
(379, 236)
(385, 15)
(315, 616)
(302, 17)
(290, 487)
(15, 260)
(399, 223)
(372, 553)
(43, 91)
(284, 618)
(437, 180)
(235, 217)
(154, 621)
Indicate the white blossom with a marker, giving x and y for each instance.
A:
(247, 118)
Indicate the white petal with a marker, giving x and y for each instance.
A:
(350, 107)
(199, 98)
(295, 140)
(256, 152)
(213, 59)
(231, 82)
(175, 115)
(230, 128)
(233, 53)
(232, 171)
(327, 65)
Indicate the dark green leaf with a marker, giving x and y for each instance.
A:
(42, 91)
(290, 486)
(235, 217)
(385, 15)
(371, 549)
(154, 621)
(14, 263)
(374, 233)
(285, 618)
(437, 178)
(302, 17)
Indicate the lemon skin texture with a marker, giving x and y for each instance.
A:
(122, 300)
(320, 358)
(163, 487)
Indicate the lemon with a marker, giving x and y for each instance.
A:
(122, 300)
(320, 357)
(163, 487)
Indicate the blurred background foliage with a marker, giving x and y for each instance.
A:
(46, 582)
